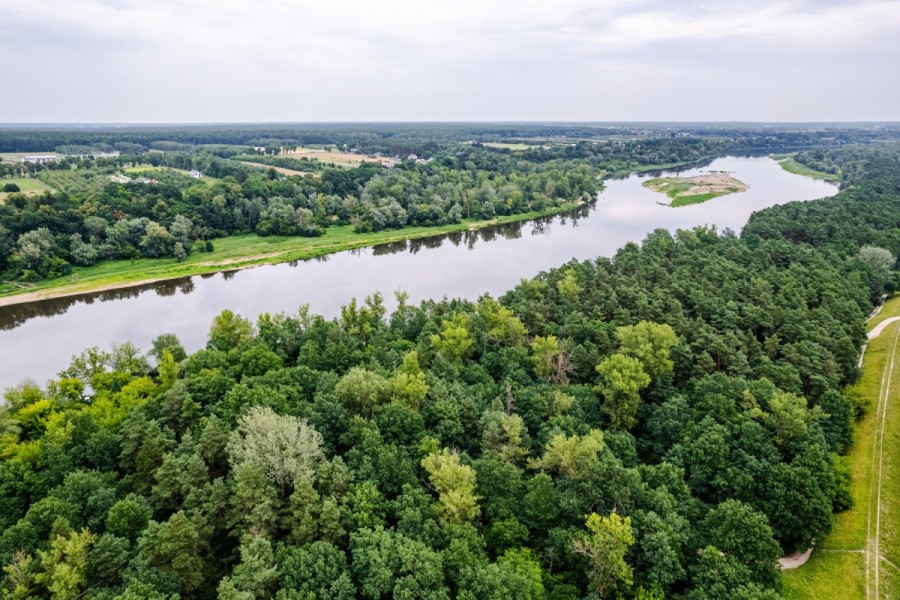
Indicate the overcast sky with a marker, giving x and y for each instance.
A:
(422, 60)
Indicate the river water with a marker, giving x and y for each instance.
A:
(38, 339)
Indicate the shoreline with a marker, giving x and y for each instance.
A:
(239, 263)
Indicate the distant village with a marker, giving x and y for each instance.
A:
(40, 159)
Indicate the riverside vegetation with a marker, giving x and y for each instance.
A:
(664, 423)
(109, 219)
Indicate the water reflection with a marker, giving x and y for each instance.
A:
(38, 339)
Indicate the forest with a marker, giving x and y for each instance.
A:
(663, 423)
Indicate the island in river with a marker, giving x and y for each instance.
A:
(699, 188)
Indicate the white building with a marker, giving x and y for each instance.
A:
(41, 158)
(196, 174)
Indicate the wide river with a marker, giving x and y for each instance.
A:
(38, 339)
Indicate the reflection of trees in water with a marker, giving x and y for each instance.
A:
(390, 248)
(18, 314)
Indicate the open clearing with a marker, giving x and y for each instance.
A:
(693, 190)
(506, 146)
(857, 559)
(339, 159)
(281, 170)
(27, 186)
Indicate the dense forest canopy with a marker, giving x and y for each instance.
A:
(664, 423)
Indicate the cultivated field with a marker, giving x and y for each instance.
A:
(338, 159)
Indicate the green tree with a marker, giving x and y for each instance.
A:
(651, 344)
(740, 531)
(318, 570)
(229, 331)
(63, 566)
(255, 577)
(454, 342)
(604, 546)
(284, 448)
(174, 547)
(455, 485)
(128, 517)
(622, 379)
(570, 455)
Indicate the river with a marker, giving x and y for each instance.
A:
(38, 339)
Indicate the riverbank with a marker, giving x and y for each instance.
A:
(238, 252)
(856, 560)
(790, 165)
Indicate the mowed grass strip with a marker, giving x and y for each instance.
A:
(837, 569)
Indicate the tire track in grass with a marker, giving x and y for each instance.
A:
(873, 541)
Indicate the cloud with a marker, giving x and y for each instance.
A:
(229, 60)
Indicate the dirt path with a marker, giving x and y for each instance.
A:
(795, 560)
(876, 331)
(873, 525)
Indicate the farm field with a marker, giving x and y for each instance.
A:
(339, 159)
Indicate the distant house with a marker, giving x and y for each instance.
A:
(40, 159)
(196, 174)
(412, 157)
(119, 179)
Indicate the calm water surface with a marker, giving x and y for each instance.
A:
(38, 339)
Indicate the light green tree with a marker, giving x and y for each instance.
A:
(454, 342)
(650, 343)
(409, 381)
(622, 379)
(455, 485)
(229, 331)
(63, 565)
(604, 546)
(570, 455)
(568, 286)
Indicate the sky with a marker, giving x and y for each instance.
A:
(173, 61)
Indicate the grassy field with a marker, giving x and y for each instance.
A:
(843, 564)
(26, 184)
(232, 253)
(282, 170)
(504, 146)
(338, 159)
(790, 165)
